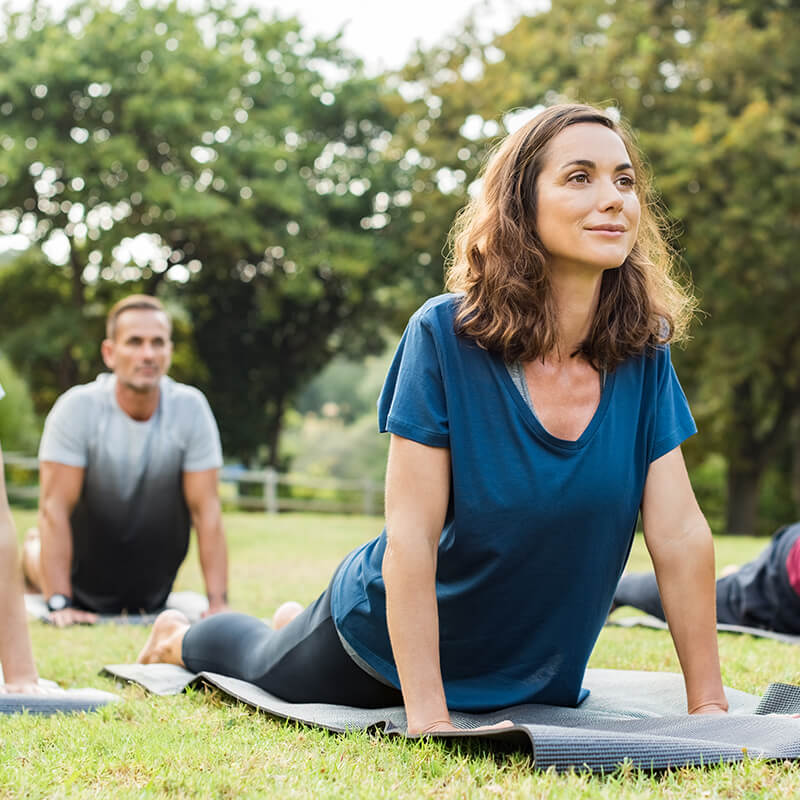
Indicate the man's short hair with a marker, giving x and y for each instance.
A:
(130, 303)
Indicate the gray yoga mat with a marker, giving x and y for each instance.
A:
(57, 701)
(190, 603)
(654, 622)
(635, 717)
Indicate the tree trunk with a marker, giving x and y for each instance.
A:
(743, 490)
(274, 434)
(795, 476)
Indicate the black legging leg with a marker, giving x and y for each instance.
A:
(303, 662)
(640, 590)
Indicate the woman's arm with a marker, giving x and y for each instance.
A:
(417, 494)
(15, 644)
(680, 544)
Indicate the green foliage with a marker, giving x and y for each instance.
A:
(346, 389)
(221, 159)
(333, 430)
(19, 429)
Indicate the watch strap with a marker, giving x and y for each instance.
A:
(58, 601)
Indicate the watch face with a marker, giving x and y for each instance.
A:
(57, 602)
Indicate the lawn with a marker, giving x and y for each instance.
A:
(201, 745)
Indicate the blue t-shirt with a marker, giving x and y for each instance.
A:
(538, 529)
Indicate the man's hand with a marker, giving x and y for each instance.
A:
(72, 616)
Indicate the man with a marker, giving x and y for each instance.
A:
(764, 593)
(127, 464)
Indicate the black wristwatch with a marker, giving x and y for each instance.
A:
(57, 602)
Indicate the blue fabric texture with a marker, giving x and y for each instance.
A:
(538, 528)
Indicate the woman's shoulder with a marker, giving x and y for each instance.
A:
(438, 309)
(650, 366)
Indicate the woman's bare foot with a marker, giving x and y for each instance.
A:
(165, 644)
(285, 614)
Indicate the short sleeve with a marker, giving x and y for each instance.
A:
(65, 436)
(673, 423)
(412, 403)
(203, 449)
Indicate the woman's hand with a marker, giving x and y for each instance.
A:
(715, 707)
(445, 726)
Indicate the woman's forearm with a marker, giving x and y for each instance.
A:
(411, 609)
(417, 492)
(685, 573)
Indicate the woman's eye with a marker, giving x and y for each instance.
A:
(627, 180)
(579, 177)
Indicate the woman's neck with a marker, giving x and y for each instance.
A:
(576, 296)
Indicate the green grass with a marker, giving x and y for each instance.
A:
(201, 745)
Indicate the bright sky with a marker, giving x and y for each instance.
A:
(382, 33)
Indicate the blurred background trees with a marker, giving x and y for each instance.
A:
(293, 211)
(213, 157)
(709, 89)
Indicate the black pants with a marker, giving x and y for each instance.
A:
(303, 662)
(758, 594)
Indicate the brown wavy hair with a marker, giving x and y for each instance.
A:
(500, 264)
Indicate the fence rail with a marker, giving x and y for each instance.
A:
(261, 490)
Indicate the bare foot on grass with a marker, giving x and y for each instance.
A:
(285, 614)
(165, 642)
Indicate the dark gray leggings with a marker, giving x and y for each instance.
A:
(303, 662)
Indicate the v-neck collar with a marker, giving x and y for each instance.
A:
(533, 422)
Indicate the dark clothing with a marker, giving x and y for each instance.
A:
(303, 662)
(758, 595)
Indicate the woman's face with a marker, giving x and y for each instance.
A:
(587, 208)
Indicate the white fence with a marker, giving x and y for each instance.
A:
(258, 490)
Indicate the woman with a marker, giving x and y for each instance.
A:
(533, 413)
(16, 657)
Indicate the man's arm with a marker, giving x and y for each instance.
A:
(60, 489)
(680, 544)
(202, 497)
(16, 655)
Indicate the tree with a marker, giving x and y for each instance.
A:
(710, 89)
(18, 425)
(215, 157)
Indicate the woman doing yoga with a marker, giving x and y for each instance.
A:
(533, 412)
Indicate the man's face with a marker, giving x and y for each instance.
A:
(140, 352)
